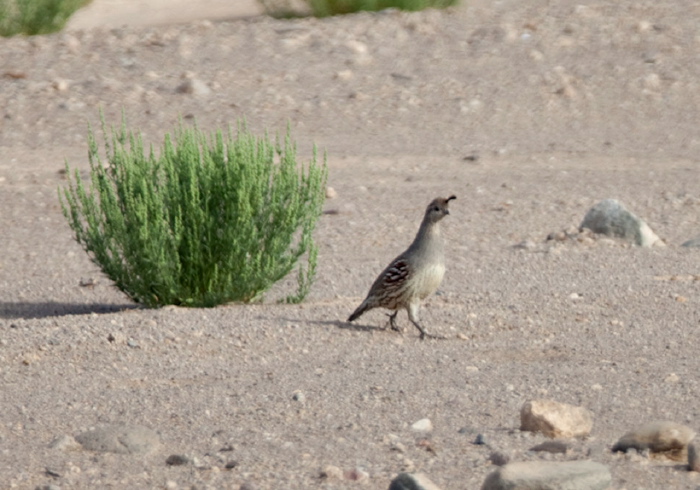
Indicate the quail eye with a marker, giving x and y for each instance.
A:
(436, 208)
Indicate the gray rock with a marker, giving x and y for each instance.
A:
(412, 481)
(611, 218)
(663, 437)
(177, 460)
(693, 459)
(554, 447)
(544, 475)
(554, 419)
(499, 458)
(693, 242)
(121, 439)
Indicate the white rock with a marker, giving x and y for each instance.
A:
(554, 419)
(423, 425)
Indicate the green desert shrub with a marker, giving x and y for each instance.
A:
(36, 16)
(208, 220)
(325, 8)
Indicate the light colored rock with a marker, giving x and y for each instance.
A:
(122, 439)
(665, 438)
(554, 419)
(545, 475)
(332, 472)
(423, 425)
(331, 193)
(65, 443)
(412, 481)
(611, 218)
(193, 86)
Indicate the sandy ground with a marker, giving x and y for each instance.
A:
(530, 112)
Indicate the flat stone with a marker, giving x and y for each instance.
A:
(412, 481)
(554, 419)
(611, 218)
(693, 242)
(545, 475)
(662, 437)
(121, 439)
(554, 447)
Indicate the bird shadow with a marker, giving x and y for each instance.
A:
(28, 310)
(350, 326)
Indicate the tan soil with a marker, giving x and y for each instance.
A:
(530, 112)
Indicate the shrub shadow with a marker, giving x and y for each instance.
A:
(27, 310)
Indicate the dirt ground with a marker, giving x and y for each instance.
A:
(530, 112)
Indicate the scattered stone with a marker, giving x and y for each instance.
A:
(231, 464)
(693, 242)
(611, 218)
(331, 472)
(298, 396)
(65, 443)
(412, 481)
(15, 74)
(331, 193)
(397, 446)
(357, 474)
(48, 487)
(548, 475)
(480, 440)
(665, 438)
(554, 447)
(116, 337)
(499, 458)
(693, 459)
(60, 85)
(177, 460)
(526, 245)
(344, 75)
(88, 283)
(121, 439)
(554, 419)
(423, 425)
(193, 86)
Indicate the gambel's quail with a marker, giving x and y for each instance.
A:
(415, 274)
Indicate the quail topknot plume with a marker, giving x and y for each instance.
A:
(415, 274)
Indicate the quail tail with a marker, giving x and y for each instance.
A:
(359, 311)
